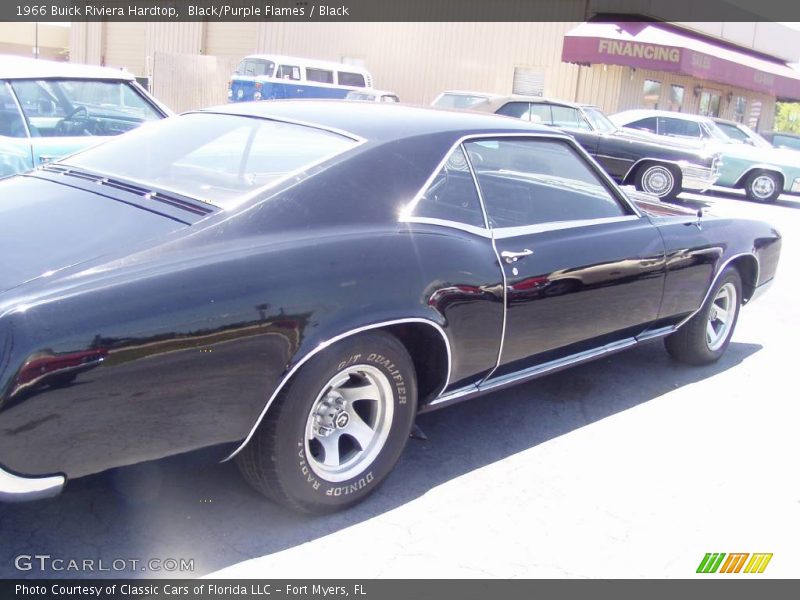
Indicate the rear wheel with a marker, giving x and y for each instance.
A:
(763, 186)
(705, 337)
(338, 429)
(659, 180)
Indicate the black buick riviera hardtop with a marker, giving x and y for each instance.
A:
(290, 283)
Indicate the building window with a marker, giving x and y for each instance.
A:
(528, 82)
(651, 92)
(675, 102)
(739, 108)
(709, 103)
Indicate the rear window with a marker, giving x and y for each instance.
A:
(458, 100)
(351, 79)
(219, 159)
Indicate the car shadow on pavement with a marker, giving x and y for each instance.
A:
(178, 509)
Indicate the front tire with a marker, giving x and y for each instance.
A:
(704, 338)
(337, 429)
(659, 180)
(763, 186)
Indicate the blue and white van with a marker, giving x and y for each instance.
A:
(269, 77)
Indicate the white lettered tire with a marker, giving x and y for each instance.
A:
(338, 428)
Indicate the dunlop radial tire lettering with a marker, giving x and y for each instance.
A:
(287, 459)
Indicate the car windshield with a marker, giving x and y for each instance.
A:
(715, 132)
(750, 136)
(599, 121)
(81, 107)
(216, 158)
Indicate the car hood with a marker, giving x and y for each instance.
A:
(46, 227)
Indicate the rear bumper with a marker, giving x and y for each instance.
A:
(759, 291)
(16, 488)
(698, 178)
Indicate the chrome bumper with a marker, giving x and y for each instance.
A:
(14, 488)
(698, 178)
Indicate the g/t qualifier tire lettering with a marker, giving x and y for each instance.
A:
(277, 463)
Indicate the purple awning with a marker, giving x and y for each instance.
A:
(650, 46)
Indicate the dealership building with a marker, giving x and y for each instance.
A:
(736, 70)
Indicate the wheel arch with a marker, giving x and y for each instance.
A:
(413, 332)
(630, 176)
(748, 267)
(759, 168)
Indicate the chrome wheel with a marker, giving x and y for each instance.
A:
(763, 187)
(349, 423)
(658, 180)
(720, 317)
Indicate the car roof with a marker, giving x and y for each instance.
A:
(645, 113)
(498, 101)
(21, 67)
(379, 121)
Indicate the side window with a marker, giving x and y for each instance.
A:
(11, 123)
(568, 117)
(451, 196)
(530, 182)
(351, 79)
(519, 110)
(679, 128)
(786, 142)
(540, 113)
(649, 124)
(288, 72)
(319, 75)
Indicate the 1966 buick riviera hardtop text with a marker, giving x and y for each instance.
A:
(290, 283)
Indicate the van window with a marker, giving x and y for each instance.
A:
(353, 79)
(319, 75)
(288, 72)
(263, 68)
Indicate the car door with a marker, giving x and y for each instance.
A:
(582, 268)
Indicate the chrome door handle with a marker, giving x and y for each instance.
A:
(512, 257)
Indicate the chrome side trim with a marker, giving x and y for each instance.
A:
(499, 264)
(539, 370)
(655, 334)
(558, 364)
(445, 223)
(15, 488)
(406, 212)
(322, 346)
(714, 281)
(508, 232)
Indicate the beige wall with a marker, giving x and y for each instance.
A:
(415, 60)
(20, 39)
(419, 60)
